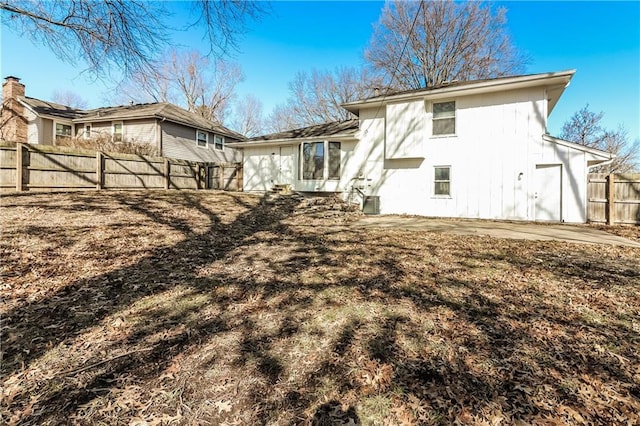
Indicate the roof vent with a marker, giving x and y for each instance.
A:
(131, 102)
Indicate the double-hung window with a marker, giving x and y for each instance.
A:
(442, 181)
(320, 159)
(218, 142)
(63, 131)
(117, 132)
(87, 131)
(201, 138)
(444, 118)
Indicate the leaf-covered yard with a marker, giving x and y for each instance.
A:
(226, 308)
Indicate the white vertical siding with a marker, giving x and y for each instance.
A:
(405, 127)
(492, 159)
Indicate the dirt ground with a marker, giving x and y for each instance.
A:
(196, 308)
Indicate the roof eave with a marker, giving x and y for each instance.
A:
(554, 79)
(604, 155)
(341, 137)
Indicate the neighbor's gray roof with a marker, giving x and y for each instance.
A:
(51, 108)
(319, 130)
(161, 110)
(165, 110)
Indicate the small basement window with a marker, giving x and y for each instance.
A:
(201, 138)
(442, 180)
(444, 118)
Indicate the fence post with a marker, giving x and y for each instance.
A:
(19, 166)
(239, 181)
(99, 170)
(167, 173)
(611, 200)
(221, 177)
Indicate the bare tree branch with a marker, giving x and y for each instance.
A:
(125, 35)
(450, 41)
(584, 127)
(69, 98)
(201, 85)
(316, 97)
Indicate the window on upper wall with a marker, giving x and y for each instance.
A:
(87, 131)
(117, 132)
(218, 142)
(444, 118)
(442, 180)
(201, 138)
(63, 131)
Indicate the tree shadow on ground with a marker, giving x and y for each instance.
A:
(403, 325)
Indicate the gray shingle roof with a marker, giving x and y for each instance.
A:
(52, 108)
(319, 130)
(164, 110)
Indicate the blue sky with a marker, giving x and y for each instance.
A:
(599, 39)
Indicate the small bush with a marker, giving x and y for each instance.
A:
(107, 144)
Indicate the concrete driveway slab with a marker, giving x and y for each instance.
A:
(513, 230)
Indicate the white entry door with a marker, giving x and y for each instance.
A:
(286, 165)
(548, 192)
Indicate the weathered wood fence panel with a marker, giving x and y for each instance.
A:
(227, 177)
(614, 198)
(46, 168)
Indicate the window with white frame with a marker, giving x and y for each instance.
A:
(117, 132)
(334, 160)
(201, 138)
(444, 118)
(63, 131)
(442, 180)
(87, 131)
(218, 142)
(320, 159)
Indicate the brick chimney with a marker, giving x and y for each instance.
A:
(13, 123)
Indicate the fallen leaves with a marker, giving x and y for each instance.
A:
(146, 308)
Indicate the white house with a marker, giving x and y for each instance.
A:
(475, 149)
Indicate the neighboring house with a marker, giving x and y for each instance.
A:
(475, 149)
(176, 132)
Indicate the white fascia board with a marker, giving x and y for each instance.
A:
(512, 83)
(290, 141)
(604, 155)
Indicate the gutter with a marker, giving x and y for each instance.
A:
(288, 141)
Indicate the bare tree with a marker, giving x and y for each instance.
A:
(69, 98)
(426, 43)
(126, 34)
(316, 97)
(200, 84)
(584, 127)
(281, 119)
(247, 117)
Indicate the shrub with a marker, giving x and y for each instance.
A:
(106, 143)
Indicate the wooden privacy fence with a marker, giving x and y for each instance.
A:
(46, 168)
(614, 198)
